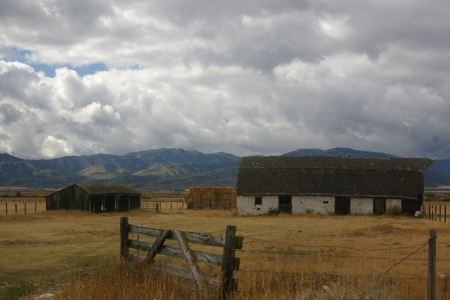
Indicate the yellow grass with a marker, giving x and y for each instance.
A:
(283, 257)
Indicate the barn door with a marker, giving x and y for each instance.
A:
(409, 207)
(285, 204)
(342, 206)
(379, 206)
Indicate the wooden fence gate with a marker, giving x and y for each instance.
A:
(228, 262)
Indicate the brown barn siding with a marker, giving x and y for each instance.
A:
(70, 198)
(75, 197)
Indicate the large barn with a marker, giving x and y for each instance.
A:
(329, 185)
(95, 198)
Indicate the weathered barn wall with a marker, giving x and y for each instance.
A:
(70, 198)
(361, 206)
(323, 205)
(104, 198)
(246, 205)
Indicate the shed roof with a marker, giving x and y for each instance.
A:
(96, 189)
(334, 176)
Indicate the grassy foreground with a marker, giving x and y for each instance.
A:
(284, 256)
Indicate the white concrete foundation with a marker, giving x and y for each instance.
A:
(246, 205)
(361, 206)
(323, 205)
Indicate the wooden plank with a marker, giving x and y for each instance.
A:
(203, 257)
(189, 256)
(158, 244)
(192, 237)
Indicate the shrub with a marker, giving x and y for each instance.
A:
(394, 210)
(273, 211)
(430, 195)
(309, 211)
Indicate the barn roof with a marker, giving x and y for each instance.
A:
(330, 162)
(334, 176)
(96, 189)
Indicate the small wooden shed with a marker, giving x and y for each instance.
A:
(95, 198)
(211, 198)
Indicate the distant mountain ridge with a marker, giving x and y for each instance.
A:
(159, 169)
(162, 169)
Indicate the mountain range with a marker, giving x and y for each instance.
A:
(161, 169)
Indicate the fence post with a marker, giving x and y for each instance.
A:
(432, 265)
(15, 207)
(229, 249)
(157, 207)
(440, 206)
(6, 203)
(25, 207)
(445, 213)
(124, 251)
(35, 206)
(170, 206)
(429, 212)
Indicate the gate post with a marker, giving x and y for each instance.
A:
(229, 249)
(124, 251)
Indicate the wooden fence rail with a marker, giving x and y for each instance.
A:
(227, 261)
(163, 205)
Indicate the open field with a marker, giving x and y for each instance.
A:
(290, 253)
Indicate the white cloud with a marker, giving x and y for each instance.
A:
(53, 147)
(241, 77)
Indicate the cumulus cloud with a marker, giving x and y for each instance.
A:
(242, 77)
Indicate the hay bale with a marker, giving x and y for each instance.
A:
(211, 197)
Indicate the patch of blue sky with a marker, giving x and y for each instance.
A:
(48, 70)
(90, 69)
(20, 55)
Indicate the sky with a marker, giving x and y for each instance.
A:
(244, 77)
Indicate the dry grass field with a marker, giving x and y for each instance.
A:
(283, 257)
(23, 205)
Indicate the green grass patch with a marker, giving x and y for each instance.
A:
(8, 292)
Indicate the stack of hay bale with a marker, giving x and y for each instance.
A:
(211, 198)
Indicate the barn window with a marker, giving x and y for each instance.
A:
(325, 202)
(258, 200)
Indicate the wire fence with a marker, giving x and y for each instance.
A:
(21, 205)
(328, 263)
